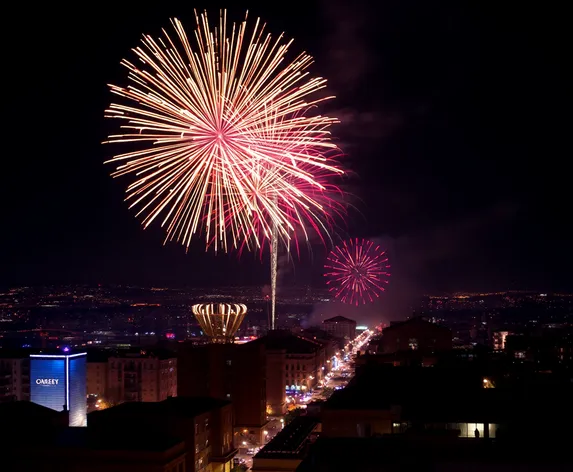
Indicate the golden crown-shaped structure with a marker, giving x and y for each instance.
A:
(220, 321)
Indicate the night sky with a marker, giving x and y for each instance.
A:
(454, 126)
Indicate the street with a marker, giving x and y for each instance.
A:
(339, 377)
(336, 379)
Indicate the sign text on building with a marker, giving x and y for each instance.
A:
(47, 381)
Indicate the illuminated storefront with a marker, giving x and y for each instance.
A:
(59, 382)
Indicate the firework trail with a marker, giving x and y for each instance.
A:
(357, 271)
(226, 143)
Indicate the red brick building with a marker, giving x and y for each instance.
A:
(340, 327)
(232, 372)
(142, 375)
(294, 364)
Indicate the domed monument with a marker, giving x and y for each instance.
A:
(220, 321)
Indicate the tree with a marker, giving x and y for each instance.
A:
(292, 414)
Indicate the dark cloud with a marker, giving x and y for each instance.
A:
(346, 45)
(449, 256)
(349, 60)
(452, 239)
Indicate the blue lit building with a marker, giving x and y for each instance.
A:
(58, 381)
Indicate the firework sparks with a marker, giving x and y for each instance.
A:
(357, 271)
(227, 145)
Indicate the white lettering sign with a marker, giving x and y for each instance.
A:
(47, 381)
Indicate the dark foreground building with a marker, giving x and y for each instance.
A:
(432, 453)
(204, 424)
(288, 448)
(176, 435)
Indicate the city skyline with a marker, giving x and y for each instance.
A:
(440, 180)
(313, 236)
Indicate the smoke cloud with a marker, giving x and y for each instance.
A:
(422, 262)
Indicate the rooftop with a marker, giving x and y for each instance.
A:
(290, 442)
(414, 321)
(86, 438)
(137, 353)
(22, 411)
(339, 319)
(182, 407)
(316, 334)
(379, 387)
(404, 453)
(444, 394)
(279, 340)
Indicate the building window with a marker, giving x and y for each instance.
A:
(229, 362)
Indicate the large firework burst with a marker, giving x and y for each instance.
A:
(227, 145)
(357, 271)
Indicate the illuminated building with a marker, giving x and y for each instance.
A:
(499, 338)
(340, 327)
(58, 381)
(220, 321)
(294, 367)
(134, 376)
(97, 377)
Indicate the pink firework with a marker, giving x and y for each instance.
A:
(357, 271)
(225, 141)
